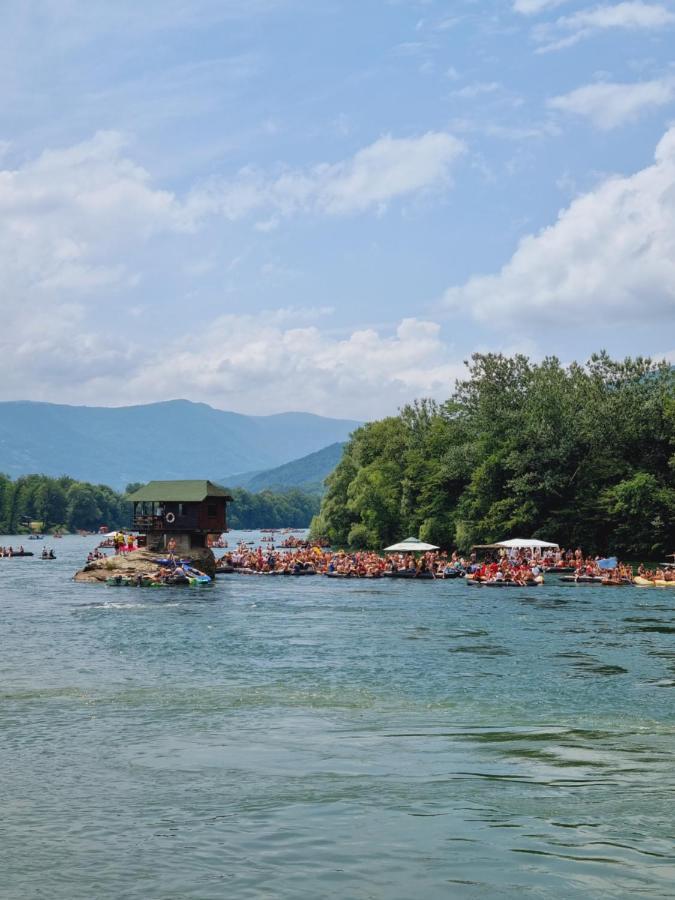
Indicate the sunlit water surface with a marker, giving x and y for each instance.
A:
(309, 738)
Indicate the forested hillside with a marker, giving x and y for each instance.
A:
(306, 474)
(581, 455)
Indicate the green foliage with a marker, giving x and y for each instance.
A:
(293, 508)
(582, 455)
(58, 502)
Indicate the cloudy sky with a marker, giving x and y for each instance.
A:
(327, 205)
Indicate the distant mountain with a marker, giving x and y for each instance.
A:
(175, 439)
(307, 473)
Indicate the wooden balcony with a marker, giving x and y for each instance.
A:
(147, 524)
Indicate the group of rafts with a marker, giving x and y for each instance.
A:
(519, 563)
(533, 558)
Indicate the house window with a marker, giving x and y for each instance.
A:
(211, 510)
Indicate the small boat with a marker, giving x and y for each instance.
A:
(582, 579)
(422, 576)
(17, 553)
(503, 584)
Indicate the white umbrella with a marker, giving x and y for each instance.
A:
(526, 543)
(410, 545)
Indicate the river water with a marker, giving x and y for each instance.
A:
(312, 738)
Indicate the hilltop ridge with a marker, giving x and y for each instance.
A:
(170, 439)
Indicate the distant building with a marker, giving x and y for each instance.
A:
(179, 515)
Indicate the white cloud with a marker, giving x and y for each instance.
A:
(71, 221)
(389, 169)
(250, 363)
(476, 89)
(609, 257)
(364, 374)
(73, 225)
(75, 218)
(533, 7)
(632, 15)
(610, 104)
(67, 216)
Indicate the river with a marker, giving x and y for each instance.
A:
(313, 738)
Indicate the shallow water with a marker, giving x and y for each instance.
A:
(306, 738)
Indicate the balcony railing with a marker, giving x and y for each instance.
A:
(145, 523)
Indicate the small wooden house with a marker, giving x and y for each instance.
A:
(179, 515)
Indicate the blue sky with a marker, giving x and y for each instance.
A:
(328, 206)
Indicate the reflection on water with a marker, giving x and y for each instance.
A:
(316, 738)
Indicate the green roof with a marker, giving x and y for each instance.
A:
(177, 492)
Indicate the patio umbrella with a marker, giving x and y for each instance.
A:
(410, 545)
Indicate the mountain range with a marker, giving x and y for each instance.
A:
(307, 473)
(172, 439)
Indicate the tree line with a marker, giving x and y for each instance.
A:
(58, 504)
(583, 455)
(69, 505)
(293, 508)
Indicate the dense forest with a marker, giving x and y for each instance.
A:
(58, 503)
(69, 505)
(292, 508)
(582, 455)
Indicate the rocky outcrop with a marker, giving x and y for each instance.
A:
(138, 563)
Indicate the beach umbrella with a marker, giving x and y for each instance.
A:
(410, 545)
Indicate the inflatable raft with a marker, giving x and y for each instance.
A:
(423, 576)
(582, 579)
(647, 582)
(501, 583)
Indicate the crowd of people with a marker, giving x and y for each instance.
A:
(505, 571)
(660, 574)
(314, 560)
